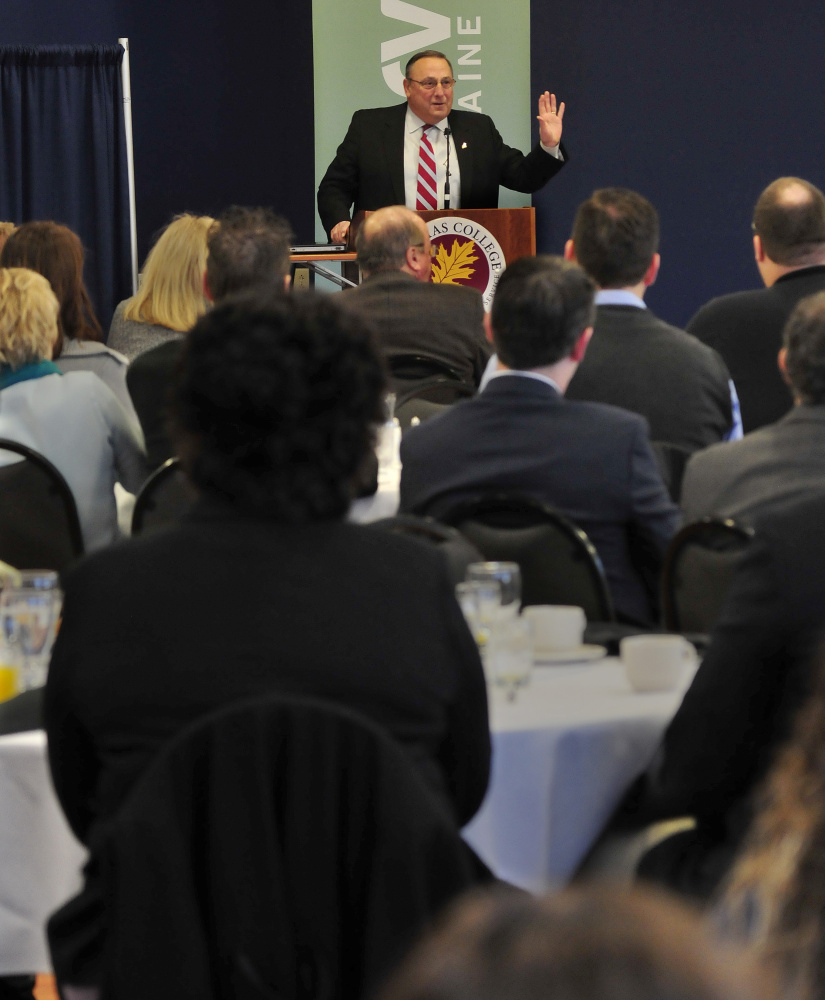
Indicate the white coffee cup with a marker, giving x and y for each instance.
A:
(656, 662)
(556, 626)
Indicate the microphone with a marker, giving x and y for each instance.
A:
(447, 134)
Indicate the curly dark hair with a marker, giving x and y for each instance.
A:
(57, 253)
(276, 403)
(804, 341)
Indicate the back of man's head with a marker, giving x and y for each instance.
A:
(804, 342)
(541, 307)
(789, 219)
(248, 248)
(615, 235)
(384, 238)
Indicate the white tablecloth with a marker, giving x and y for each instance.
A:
(563, 754)
(40, 859)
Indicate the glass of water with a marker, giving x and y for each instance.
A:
(508, 575)
(510, 654)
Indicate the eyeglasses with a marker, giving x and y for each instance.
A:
(429, 84)
(420, 246)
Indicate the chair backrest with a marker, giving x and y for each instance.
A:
(672, 460)
(457, 549)
(558, 562)
(415, 367)
(697, 573)
(166, 496)
(420, 408)
(39, 526)
(285, 848)
(419, 376)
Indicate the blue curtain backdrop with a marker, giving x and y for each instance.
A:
(63, 155)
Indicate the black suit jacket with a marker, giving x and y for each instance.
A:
(746, 329)
(754, 677)
(637, 361)
(368, 169)
(148, 379)
(167, 627)
(416, 317)
(592, 462)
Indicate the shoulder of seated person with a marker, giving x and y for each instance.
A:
(91, 349)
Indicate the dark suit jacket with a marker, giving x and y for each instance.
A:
(166, 627)
(754, 677)
(148, 379)
(591, 461)
(368, 169)
(643, 364)
(746, 329)
(746, 479)
(414, 317)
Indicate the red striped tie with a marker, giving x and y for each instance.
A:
(427, 192)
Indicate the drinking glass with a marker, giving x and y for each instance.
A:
(510, 654)
(29, 616)
(508, 575)
(480, 601)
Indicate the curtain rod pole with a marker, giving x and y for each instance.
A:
(126, 77)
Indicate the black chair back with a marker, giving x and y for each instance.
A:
(284, 848)
(458, 550)
(166, 496)
(558, 562)
(697, 573)
(415, 407)
(39, 526)
(672, 460)
(418, 376)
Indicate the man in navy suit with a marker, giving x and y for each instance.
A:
(590, 460)
(377, 163)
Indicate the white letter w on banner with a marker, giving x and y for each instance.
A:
(436, 29)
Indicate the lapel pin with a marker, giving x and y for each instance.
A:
(463, 145)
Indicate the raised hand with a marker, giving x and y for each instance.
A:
(550, 119)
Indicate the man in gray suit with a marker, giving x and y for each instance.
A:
(780, 462)
(411, 315)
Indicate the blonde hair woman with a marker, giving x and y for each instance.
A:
(71, 418)
(170, 298)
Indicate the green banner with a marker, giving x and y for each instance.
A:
(361, 47)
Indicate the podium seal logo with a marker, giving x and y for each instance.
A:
(465, 253)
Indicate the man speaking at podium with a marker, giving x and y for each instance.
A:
(400, 155)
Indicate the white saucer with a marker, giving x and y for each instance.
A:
(578, 654)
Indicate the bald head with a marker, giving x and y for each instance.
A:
(394, 239)
(789, 220)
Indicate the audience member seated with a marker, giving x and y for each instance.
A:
(635, 360)
(264, 587)
(72, 419)
(248, 248)
(170, 298)
(741, 703)
(779, 462)
(6, 229)
(57, 253)
(587, 943)
(746, 327)
(591, 461)
(775, 898)
(412, 315)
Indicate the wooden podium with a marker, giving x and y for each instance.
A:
(514, 228)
